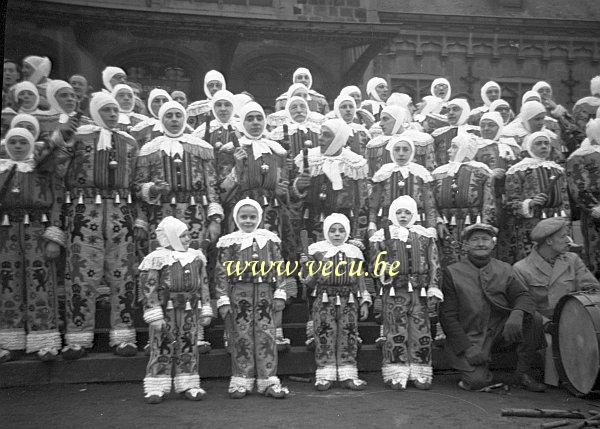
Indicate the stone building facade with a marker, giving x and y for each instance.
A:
(259, 43)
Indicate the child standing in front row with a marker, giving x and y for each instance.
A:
(247, 302)
(176, 301)
(336, 307)
(405, 294)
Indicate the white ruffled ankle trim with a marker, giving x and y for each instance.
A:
(421, 373)
(38, 340)
(120, 336)
(395, 373)
(310, 330)
(327, 373)
(12, 339)
(200, 336)
(241, 383)
(83, 339)
(347, 372)
(263, 384)
(183, 382)
(157, 385)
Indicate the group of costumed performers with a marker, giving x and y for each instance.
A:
(155, 205)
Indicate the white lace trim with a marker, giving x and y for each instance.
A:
(162, 257)
(421, 373)
(397, 233)
(280, 294)
(396, 373)
(241, 384)
(386, 171)
(347, 372)
(224, 300)
(214, 209)
(435, 292)
(351, 164)
(531, 163)
(183, 382)
(120, 336)
(263, 384)
(12, 340)
(327, 373)
(38, 340)
(153, 314)
(82, 339)
(157, 385)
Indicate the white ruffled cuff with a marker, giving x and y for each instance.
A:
(145, 191)
(241, 383)
(365, 296)
(157, 385)
(224, 300)
(395, 373)
(421, 373)
(347, 372)
(38, 340)
(280, 294)
(120, 336)
(435, 292)
(206, 311)
(327, 373)
(526, 211)
(153, 314)
(372, 226)
(183, 382)
(56, 235)
(83, 339)
(263, 384)
(215, 209)
(11, 339)
(140, 223)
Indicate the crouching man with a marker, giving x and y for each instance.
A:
(486, 308)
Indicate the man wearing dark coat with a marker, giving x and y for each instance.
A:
(487, 308)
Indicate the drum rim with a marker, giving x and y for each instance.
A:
(556, 341)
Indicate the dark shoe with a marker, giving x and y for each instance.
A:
(238, 394)
(422, 386)
(322, 386)
(310, 345)
(277, 392)
(395, 385)
(204, 347)
(126, 350)
(47, 355)
(351, 384)
(6, 356)
(195, 394)
(73, 352)
(153, 399)
(527, 382)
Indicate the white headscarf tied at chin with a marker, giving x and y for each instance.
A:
(466, 110)
(403, 202)
(303, 70)
(400, 114)
(172, 105)
(157, 92)
(41, 66)
(168, 234)
(496, 118)
(27, 86)
(247, 202)
(328, 249)
(342, 98)
(51, 90)
(98, 101)
(124, 113)
(438, 81)
(222, 95)
(484, 89)
(25, 165)
(108, 73)
(213, 75)
(372, 84)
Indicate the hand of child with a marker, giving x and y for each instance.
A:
(278, 304)
(364, 312)
(158, 324)
(52, 250)
(214, 230)
(224, 310)
(240, 154)
(205, 320)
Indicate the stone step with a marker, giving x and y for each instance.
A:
(106, 367)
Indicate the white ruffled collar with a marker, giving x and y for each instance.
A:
(401, 233)
(262, 146)
(452, 168)
(24, 166)
(245, 239)
(531, 163)
(386, 170)
(163, 257)
(329, 250)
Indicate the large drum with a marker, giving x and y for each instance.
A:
(576, 341)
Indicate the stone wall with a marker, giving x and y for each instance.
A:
(331, 10)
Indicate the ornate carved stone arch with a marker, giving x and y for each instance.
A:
(164, 67)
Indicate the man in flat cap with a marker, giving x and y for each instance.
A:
(550, 271)
(486, 308)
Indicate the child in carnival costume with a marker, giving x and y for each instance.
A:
(30, 239)
(405, 292)
(176, 302)
(335, 310)
(247, 303)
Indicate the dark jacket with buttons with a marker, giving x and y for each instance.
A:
(477, 301)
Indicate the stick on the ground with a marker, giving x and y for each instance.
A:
(556, 424)
(536, 412)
